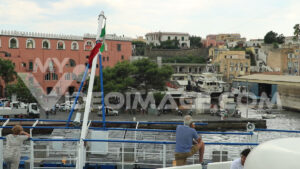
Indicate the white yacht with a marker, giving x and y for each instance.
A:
(209, 83)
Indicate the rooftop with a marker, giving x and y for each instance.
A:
(168, 33)
(61, 36)
(270, 79)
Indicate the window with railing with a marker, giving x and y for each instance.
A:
(48, 76)
(54, 76)
(67, 76)
(74, 76)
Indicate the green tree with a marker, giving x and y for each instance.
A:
(20, 89)
(195, 42)
(186, 59)
(280, 39)
(149, 76)
(272, 37)
(141, 74)
(296, 31)
(169, 44)
(7, 71)
(116, 79)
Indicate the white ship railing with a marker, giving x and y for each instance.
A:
(164, 154)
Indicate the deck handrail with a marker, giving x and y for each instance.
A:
(278, 130)
(173, 131)
(141, 141)
(131, 129)
(112, 122)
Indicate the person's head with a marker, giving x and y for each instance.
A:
(187, 120)
(244, 155)
(192, 125)
(17, 129)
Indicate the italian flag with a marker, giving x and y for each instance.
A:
(99, 47)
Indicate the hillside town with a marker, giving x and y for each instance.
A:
(213, 65)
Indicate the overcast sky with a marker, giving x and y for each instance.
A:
(250, 18)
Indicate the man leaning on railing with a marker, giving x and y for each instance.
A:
(185, 136)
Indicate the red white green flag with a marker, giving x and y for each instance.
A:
(98, 47)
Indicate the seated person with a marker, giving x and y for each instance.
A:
(185, 134)
(239, 163)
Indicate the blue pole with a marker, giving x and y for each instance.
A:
(77, 96)
(102, 90)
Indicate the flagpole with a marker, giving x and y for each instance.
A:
(84, 130)
(102, 90)
(77, 95)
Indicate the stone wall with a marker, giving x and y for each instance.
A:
(289, 96)
(176, 52)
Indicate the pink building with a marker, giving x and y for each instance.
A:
(60, 55)
(211, 40)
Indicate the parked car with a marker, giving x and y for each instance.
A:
(108, 111)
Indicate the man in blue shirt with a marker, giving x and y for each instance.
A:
(185, 136)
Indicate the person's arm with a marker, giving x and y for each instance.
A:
(195, 135)
(199, 139)
(24, 133)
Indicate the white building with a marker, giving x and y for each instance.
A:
(157, 37)
(291, 40)
(254, 42)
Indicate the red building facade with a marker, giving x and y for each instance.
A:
(50, 57)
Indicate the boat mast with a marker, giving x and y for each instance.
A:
(84, 130)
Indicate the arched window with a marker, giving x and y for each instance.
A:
(72, 63)
(13, 43)
(88, 45)
(241, 66)
(30, 43)
(46, 44)
(74, 46)
(60, 45)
